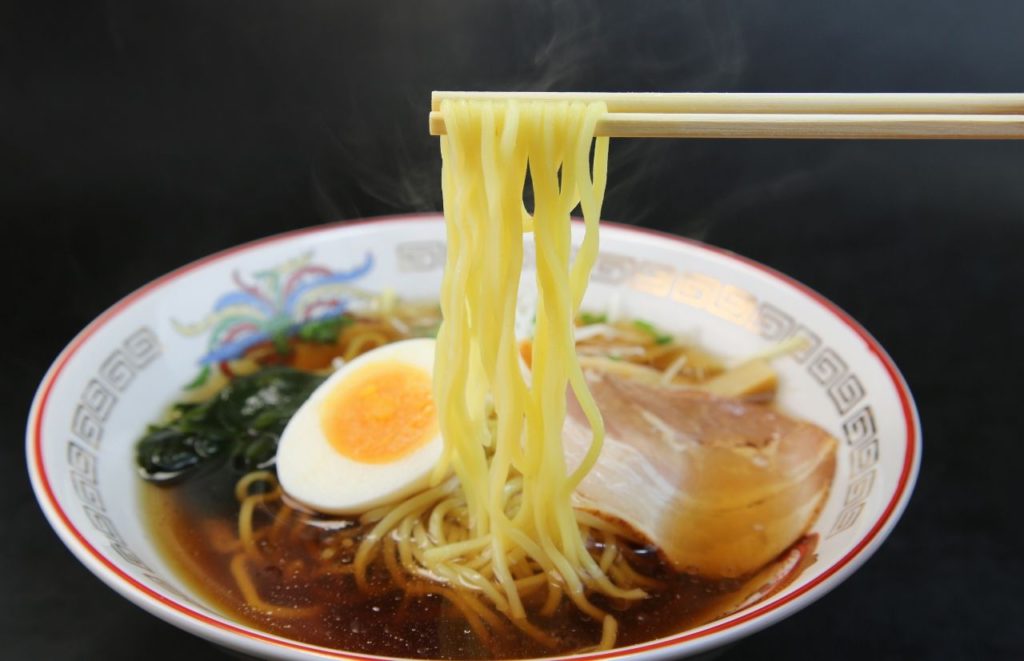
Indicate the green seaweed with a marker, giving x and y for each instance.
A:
(650, 329)
(324, 331)
(241, 424)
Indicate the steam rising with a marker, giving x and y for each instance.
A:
(366, 166)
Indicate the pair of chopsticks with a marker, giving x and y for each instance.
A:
(792, 115)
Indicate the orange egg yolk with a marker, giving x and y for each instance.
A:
(381, 413)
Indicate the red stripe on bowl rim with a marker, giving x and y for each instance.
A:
(222, 632)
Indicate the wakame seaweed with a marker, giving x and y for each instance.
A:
(241, 424)
(324, 331)
(650, 329)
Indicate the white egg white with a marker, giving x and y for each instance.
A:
(313, 473)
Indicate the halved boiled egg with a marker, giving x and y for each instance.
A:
(368, 435)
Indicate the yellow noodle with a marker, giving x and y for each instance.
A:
(242, 486)
(595, 522)
(245, 528)
(391, 562)
(280, 519)
(248, 589)
(674, 368)
(456, 549)
(554, 597)
(437, 517)
(624, 573)
(504, 525)
(609, 553)
(531, 582)
(633, 370)
(535, 632)
(609, 631)
(413, 505)
(358, 343)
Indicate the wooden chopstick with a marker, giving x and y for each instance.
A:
(802, 116)
(789, 102)
(846, 126)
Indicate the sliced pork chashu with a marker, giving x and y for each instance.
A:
(720, 485)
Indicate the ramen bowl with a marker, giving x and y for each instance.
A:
(123, 369)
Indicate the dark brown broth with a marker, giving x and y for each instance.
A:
(387, 623)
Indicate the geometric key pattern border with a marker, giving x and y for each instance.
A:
(826, 367)
(98, 400)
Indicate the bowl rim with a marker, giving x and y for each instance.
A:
(236, 635)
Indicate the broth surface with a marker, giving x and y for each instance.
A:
(192, 518)
(301, 570)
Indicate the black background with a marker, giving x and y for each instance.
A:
(136, 136)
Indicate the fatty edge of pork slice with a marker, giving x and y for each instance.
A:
(719, 485)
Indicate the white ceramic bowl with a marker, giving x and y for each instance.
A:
(127, 365)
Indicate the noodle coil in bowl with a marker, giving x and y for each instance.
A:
(253, 331)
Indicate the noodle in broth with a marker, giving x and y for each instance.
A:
(495, 543)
